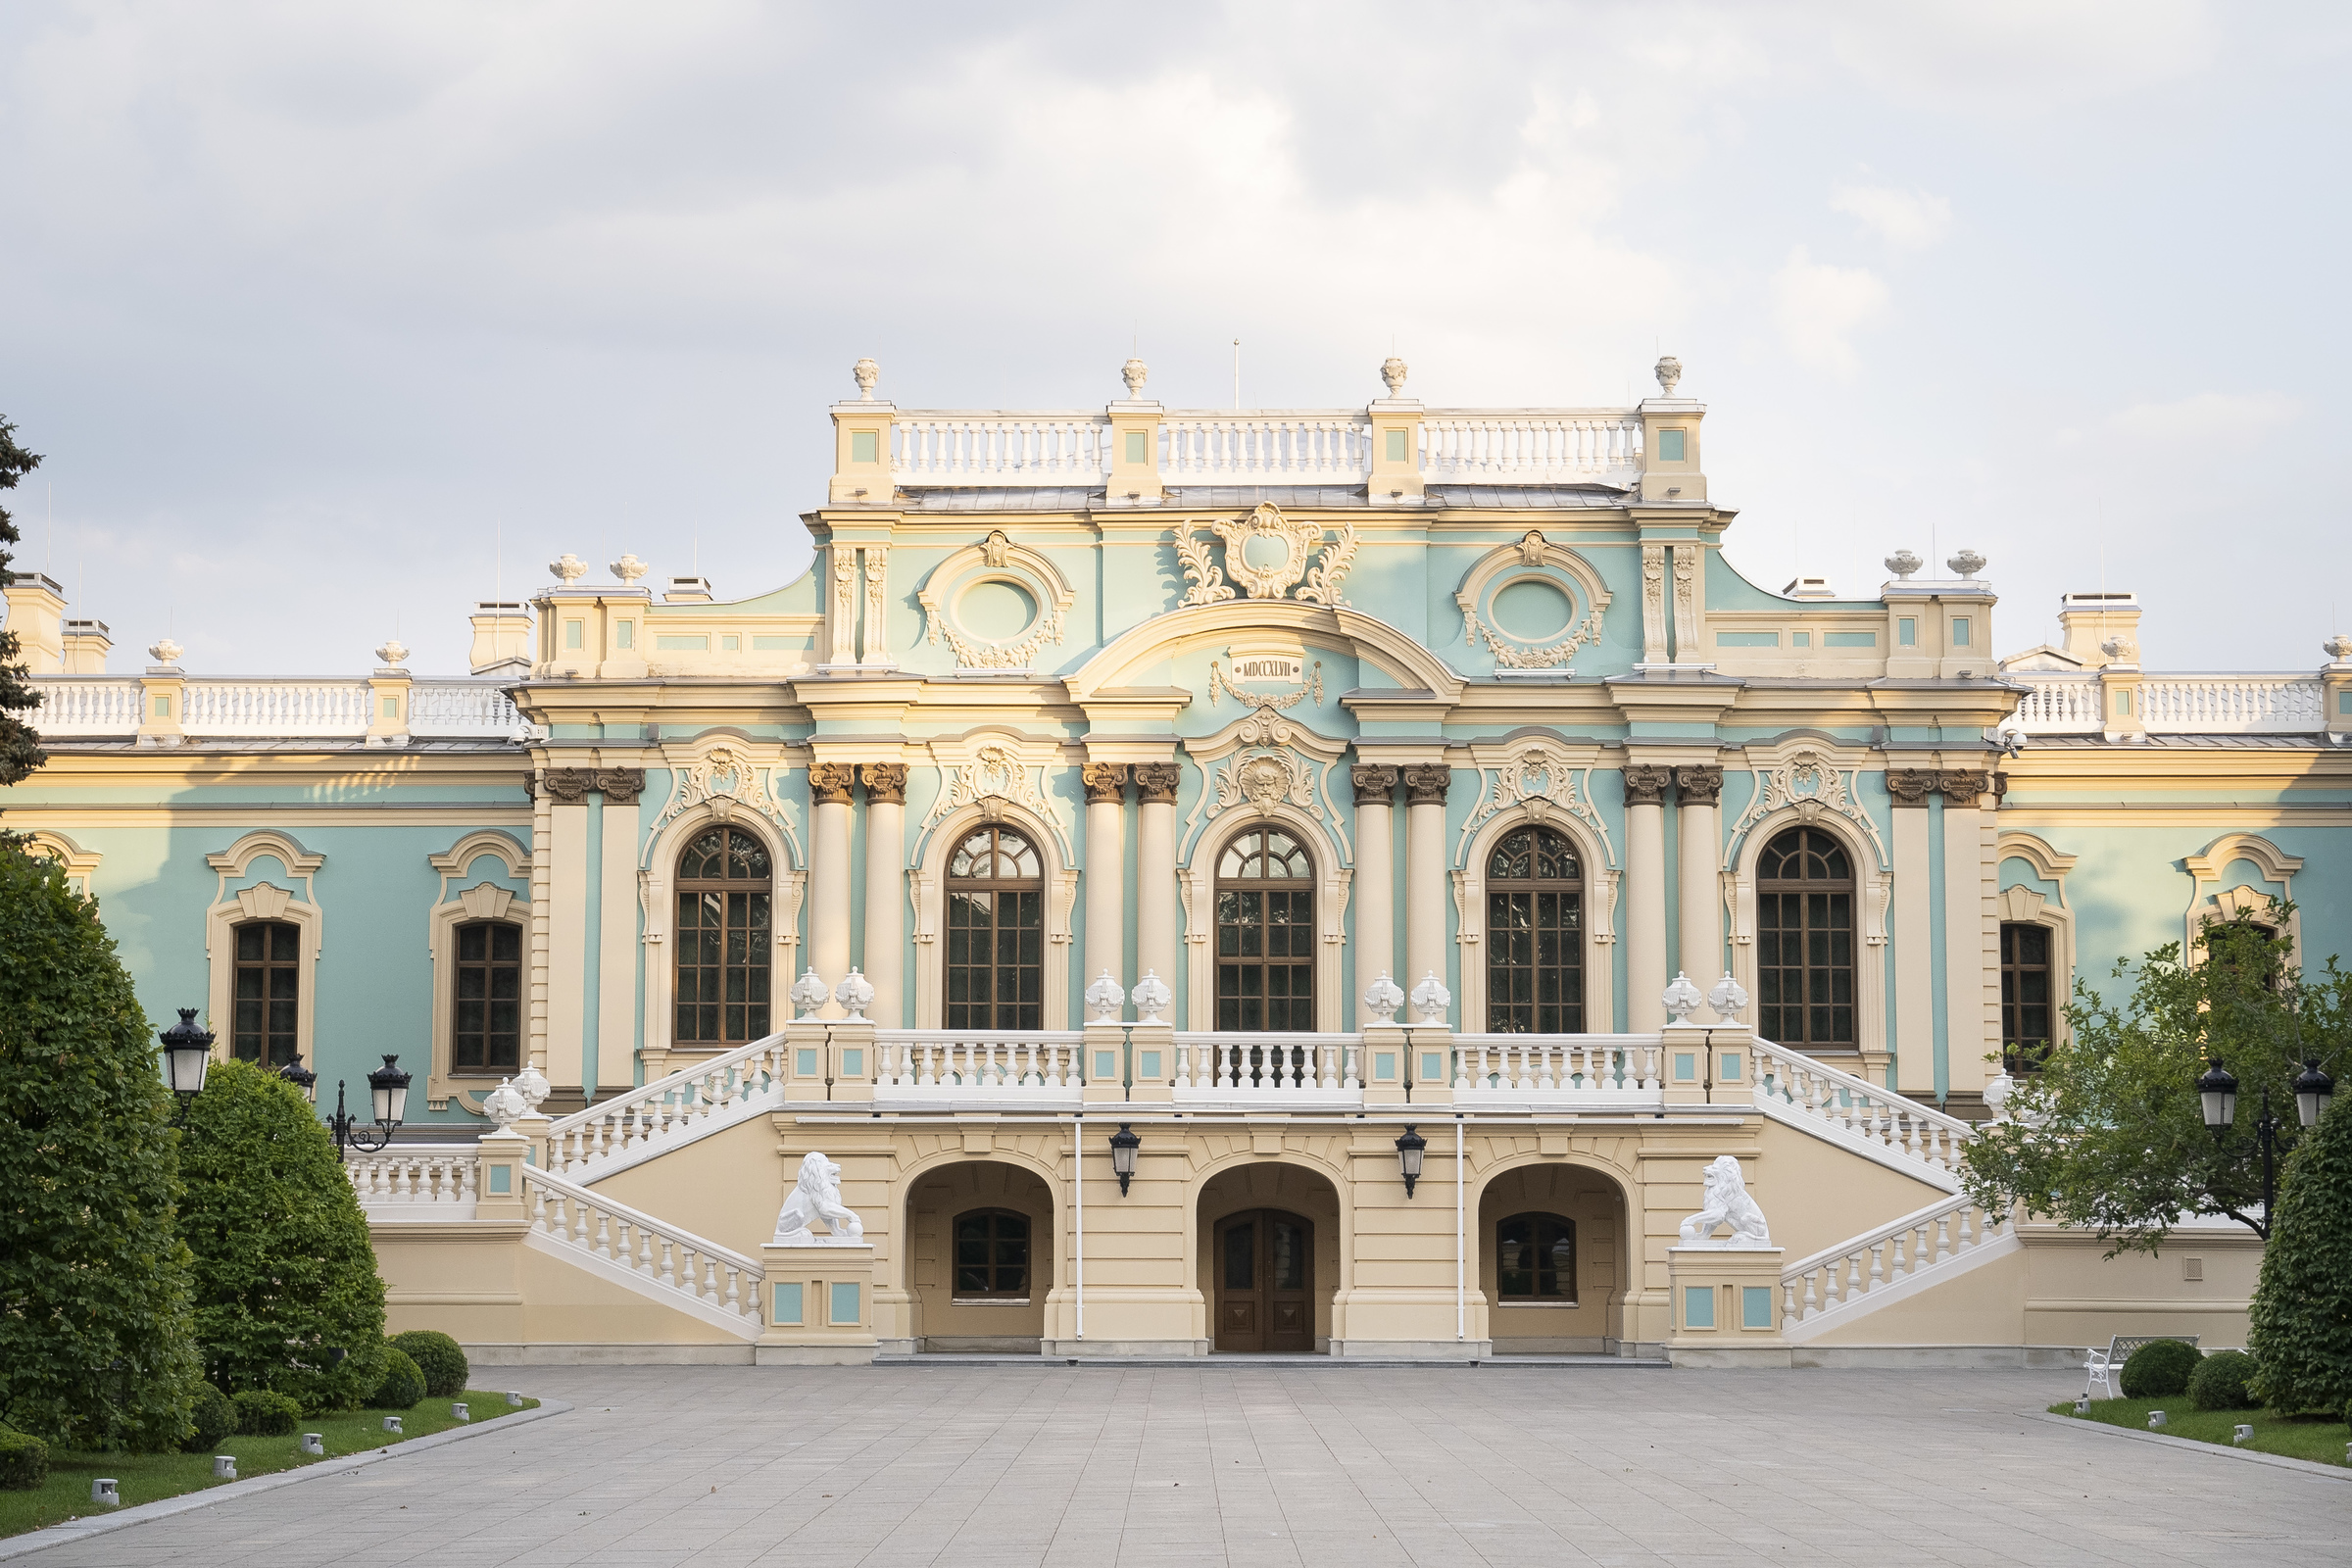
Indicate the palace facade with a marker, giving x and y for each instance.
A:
(1278, 790)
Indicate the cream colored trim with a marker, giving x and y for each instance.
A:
(75, 862)
(232, 818)
(1470, 906)
(927, 883)
(2027, 906)
(1196, 877)
(300, 863)
(2035, 851)
(462, 854)
(2220, 814)
(1873, 887)
(484, 901)
(263, 902)
(656, 878)
(2210, 900)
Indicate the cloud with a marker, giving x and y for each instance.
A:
(1820, 308)
(1907, 219)
(2005, 57)
(2207, 415)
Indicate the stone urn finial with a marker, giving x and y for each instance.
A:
(2122, 648)
(809, 993)
(1682, 999)
(1967, 564)
(393, 654)
(1151, 996)
(1394, 372)
(505, 1105)
(1670, 374)
(1102, 999)
(2338, 649)
(1133, 373)
(1903, 562)
(568, 568)
(628, 568)
(533, 1086)
(865, 373)
(1729, 999)
(1381, 997)
(163, 651)
(1430, 1000)
(855, 993)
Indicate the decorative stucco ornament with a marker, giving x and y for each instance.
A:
(1729, 999)
(817, 1197)
(1102, 999)
(1134, 373)
(1431, 999)
(163, 651)
(1295, 541)
(1381, 997)
(393, 654)
(865, 373)
(1967, 564)
(1392, 371)
(505, 1105)
(856, 994)
(628, 568)
(1903, 562)
(1670, 374)
(2339, 648)
(568, 568)
(1728, 1204)
(1682, 999)
(1152, 998)
(809, 993)
(533, 1086)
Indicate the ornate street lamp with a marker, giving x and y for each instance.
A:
(1123, 1145)
(2218, 1089)
(187, 1058)
(1409, 1149)
(2314, 1089)
(302, 1078)
(388, 1086)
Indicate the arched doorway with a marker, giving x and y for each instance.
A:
(979, 1259)
(1269, 1250)
(1552, 1262)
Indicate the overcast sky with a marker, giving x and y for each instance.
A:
(330, 315)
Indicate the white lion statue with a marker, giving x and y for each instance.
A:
(1728, 1204)
(816, 1196)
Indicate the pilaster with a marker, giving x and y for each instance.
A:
(1155, 874)
(1646, 895)
(1425, 885)
(1105, 877)
(1395, 446)
(1374, 894)
(1134, 476)
(1914, 1032)
(1971, 934)
(163, 692)
(886, 890)
(829, 785)
(1697, 795)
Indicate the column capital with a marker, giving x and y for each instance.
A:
(1106, 782)
(620, 785)
(567, 786)
(1158, 782)
(1963, 786)
(1375, 783)
(1646, 783)
(885, 782)
(1699, 785)
(1910, 786)
(829, 783)
(1427, 785)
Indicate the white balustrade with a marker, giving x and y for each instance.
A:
(1806, 1090)
(662, 1254)
(416, 1181)
(85, 705)
(266, 708)
(948, 447)
(1331, 446)
(685, 1104)
(939, 1066)
(2233, 705)
(1299, 1067)
(1533, 1070)
(1530, 446)
(464, 709)
(1845, 1274)
(2062, 704)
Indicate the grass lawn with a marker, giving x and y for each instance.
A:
(151, 1477)
(2294, 1437)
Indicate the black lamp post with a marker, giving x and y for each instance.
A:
(1123, 1145)
(2217, 1094)
(388, 1086)
(1409, 1149)
(302, 1078)
(187, 1058)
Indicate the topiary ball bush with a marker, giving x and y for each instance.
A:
(23, 1460)
(438, 1358)
(264, 1414)
(216, 1417)
(2160, 1369)
(2220, 1382)
(402, 1385)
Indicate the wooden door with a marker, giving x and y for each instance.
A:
(1265, 1261)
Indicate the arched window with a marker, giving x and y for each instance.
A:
(1535, 1258)
(268, 989)
(486, 1034)
(995, 932)
(1805, 940)
(1534, 935)
(1265, 933)
(726, 938)
(992, 1255)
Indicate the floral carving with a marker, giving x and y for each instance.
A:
(885, 782)
(829, 783)
(1538, 781)
(1106, 783)
(1698, 785)
(1301, 542)
(1646, 784)
(1813, 786)
(990, 778)
(724, 779)
(1375, 784)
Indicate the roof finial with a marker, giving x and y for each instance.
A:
(1903, 562)
(1669, 373)
(1394, 373)
(1133, 373)
(1967, 564)
(865, 373)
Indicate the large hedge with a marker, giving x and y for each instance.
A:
(95, 1349)
(287, 1296)
(2300, 1326)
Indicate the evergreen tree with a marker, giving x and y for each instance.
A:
(19, 746)
(2300, 1325)
(285, 1277)
(95, 1345)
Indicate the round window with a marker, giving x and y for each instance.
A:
(1532, 610)
(995, 609)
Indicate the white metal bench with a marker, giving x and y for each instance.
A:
(2107, 1366)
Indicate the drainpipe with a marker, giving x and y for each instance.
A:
(1460, 1323)
(1078, 1166)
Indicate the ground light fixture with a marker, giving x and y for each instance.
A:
(1123, 1145)
(2314, 1089)
(388, 1087)
(302, 1078)
(187, 1058)
(1409, 1149)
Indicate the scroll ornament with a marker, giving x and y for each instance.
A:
(1309, 569)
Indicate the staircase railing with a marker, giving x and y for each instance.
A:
(416, 1181)
(663, 1255)
(1836, 1099)
(1845, 1274)
(667, 1108)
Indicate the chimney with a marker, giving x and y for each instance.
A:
(687, 591)
(1809, 588)
(87, 644)
(37, 609)
(502, 638)
(2086, 622)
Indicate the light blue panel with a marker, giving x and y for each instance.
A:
(501, 1181)
(1106, 1068)
(803, 1061)
(1685, 1066)
(1384, 1065)
(846, 1303)
(1755, 1306)
(1730, 1072)
(1747, 639)
(787, 1306)
(1849, 639)
(1698, 1306)
(1149, 1060)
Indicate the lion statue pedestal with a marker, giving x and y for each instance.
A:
(817, 1298)
(1726, 1296)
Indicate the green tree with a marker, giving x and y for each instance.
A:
(20, 747)
(2300, 1325)
(287, 1296)
(2109, 1136)
(95, 1335)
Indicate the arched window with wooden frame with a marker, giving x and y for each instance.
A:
(992, 1255)
(726, 938)
(1534, 1260)
(996, 931)
(1805, 942)
(485, 1036)
(1535, 934)
(267, 992)
(1265, 932)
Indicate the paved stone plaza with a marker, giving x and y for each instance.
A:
(983, 1465)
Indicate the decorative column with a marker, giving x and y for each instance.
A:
(1914, 1034)
(1156, 871)
(875, 638)
(1425, 891)
(1689, 562)
(829, 877)
(569, 896)
(885, 890)
(1654, 607)
(1375, 886)
(1646, 895)
(1697, 793)
(621, 921)
(1970, 936)
(1106, 874)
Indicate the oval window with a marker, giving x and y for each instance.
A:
(995, 609)
(1532, 610)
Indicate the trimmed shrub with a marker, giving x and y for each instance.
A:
(402, 1385)
(2220, 1382)
(438, 1358)
(216, 1417)
(23, 1461)
(2160, 1369)
(2296, 1324)
(263, 1414)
